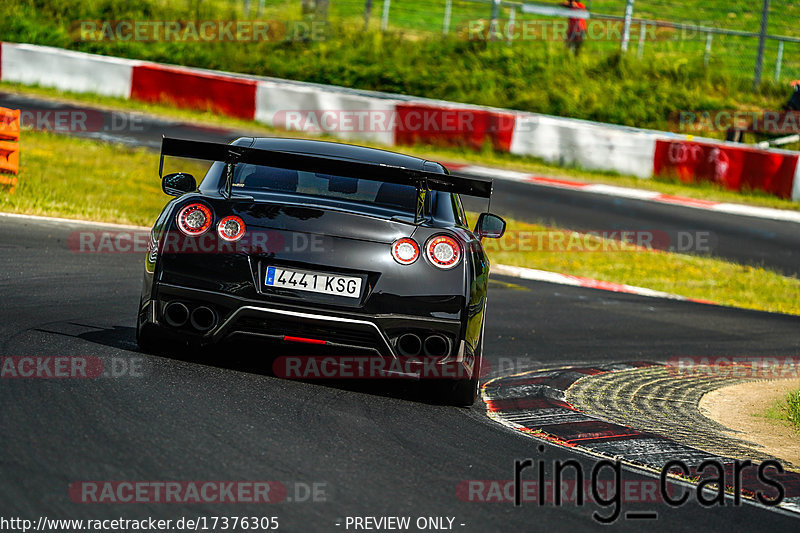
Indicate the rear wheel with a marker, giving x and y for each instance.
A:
(153, 341)
(148, 340)
(462, 392)
(465, 391)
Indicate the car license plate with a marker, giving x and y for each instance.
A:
(305, 280)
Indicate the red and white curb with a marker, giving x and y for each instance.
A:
(534, 403)
(589, 283)
(627, 192)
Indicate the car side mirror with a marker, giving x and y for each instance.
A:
(490, 226)
(178, 183)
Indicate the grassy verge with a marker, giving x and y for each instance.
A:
(704, 191)
(793, 408)
(536, 75)
(75, 178)
(787, 409)
(85, 179)
(704, 278)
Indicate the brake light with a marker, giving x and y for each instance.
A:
(405, 251)
(443, 251)
(231, 228)
(194, 219)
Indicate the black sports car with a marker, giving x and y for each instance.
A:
(323, 244)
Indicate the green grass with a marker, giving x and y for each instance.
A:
(538, 76)
(793, 408)
(733, 55)
(86, 179)
(75, 178)
(743, 15)
(693, 276)
(787, 409)
(703, 190)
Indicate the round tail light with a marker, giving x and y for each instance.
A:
(443, 251)
(405, 251)
(194, 219)
(231, 228)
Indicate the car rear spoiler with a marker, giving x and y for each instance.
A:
(231, 155)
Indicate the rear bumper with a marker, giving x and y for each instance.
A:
(236, 316)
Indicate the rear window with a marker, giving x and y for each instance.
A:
(272, 179)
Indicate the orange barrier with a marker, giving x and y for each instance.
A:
(9, 146)
(9, 124)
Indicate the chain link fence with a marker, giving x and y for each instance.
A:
(723, 34)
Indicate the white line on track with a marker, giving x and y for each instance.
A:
(589, 283)
(505, 270)
(67, 221)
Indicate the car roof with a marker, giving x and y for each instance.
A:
(338, 151)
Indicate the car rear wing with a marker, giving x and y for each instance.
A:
(231, 155)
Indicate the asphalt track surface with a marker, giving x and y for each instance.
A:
(748, 240)
(379, 448)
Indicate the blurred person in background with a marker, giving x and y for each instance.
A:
(794, 101)
(576, 27)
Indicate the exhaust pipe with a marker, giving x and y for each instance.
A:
(409, 345)
(436, 346)
(203, 318)
(176, 314)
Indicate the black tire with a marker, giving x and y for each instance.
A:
(465, 391)
(462, 392)
(148, 340)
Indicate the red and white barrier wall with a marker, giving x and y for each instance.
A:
(733, 166)
(312, 109)
(392, 119)
(194, 89)
(66, 70)
(585, 144)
